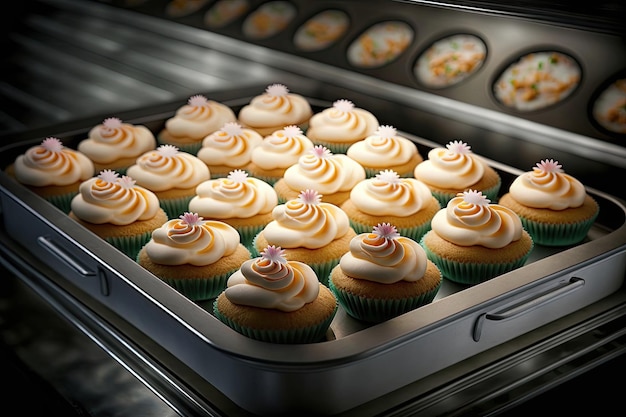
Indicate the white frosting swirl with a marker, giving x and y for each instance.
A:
(321, 170)
(112, 140)
(191, 240)
(198, 118)
(546, 186)
(454, 167)
(275, 107)
(272, 282)
(232, 146)
(281, 149)
(342, 123)
(236, 195)
(384, 257)
(306, 222)
(51, 163)
(167, 168)
(383, 148)
(470, 220)
(388, 194)
(108, 199)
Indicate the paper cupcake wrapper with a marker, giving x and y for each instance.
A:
(378, 310)
(311, 334)
(444, 198)
(62, 201)
(201, 288)
(130, 245)
(414, 233)
(247, 236)
(557, 234)
(468, 273)
(174, 207)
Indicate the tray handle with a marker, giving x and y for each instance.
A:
(563, 289)
(55, 250)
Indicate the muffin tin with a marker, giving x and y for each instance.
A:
(364, 47)
(270, 379)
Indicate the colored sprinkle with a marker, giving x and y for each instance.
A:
(274, 254)
(238, 176)
(549, 165)
(386, 230)
(458, 147)
(292, 131)
(112, 123)
(310, 197)
(232, 129)
(198, 101)
(108, 175)
(389, 176)
(386, 131)
(277, 90)
(321, 151)
(126, 182)
(167, 150)
(192, 219)
(52, 144)
(475, 197)
(343, 105)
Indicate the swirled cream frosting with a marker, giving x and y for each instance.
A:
(454, 166)
(547, 186)
(384, 256)
(383, 148)
(190, 239)
(469, 219)
(270, 281)
(51, 163)
(236, 195)
(387, 194)
(342, 123)
(306, 222)
(108, 198)
(113, 139)
(281, 149)
(321, 170)
(198, 118)
(275, 107)
(166, 168)
(231, 145)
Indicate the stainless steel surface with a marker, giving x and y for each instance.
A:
(73, 63)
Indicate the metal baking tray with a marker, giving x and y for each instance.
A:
(357, 362)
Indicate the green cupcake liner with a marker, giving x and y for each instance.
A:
(414, 233)
(130, 245)
(469, 273)
(174, 207)
(557, 234)
(247, 236)
(201, 288)
(490, 193)
(311, 334)
(63, 201)
(378, 310)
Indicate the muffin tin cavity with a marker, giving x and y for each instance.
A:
(268, 20)
(609, 107)
(380, 44)
(321, 30)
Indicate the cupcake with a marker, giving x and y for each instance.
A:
(406, 203)
(310, 231)
(277, 152)
(454, 169)
(554, 207)
(341, 125)
(194, 256)
(275, 109)
(472, 241)
(193, 121)
(172, 175)
(228, 148)
(115, 145)
(244, 202)
(385, 149)
(384, 275)
(276, 300)
(52, 171)
(117, 210)
(331, 175)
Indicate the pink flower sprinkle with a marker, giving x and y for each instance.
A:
(292, 131)
(321, 151)
(238, 176)
(274, 254)
(458, 147)
(549, 166)
(343, 105)
(126, 182)
(232, 129)
(192, 219)
(52, 144)
(386, 230)
(112, 123)
(277, 90)
(386, 132)
(475, 197)
(108, 175)
(197, 101)
(389, 176)
(310, 197)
